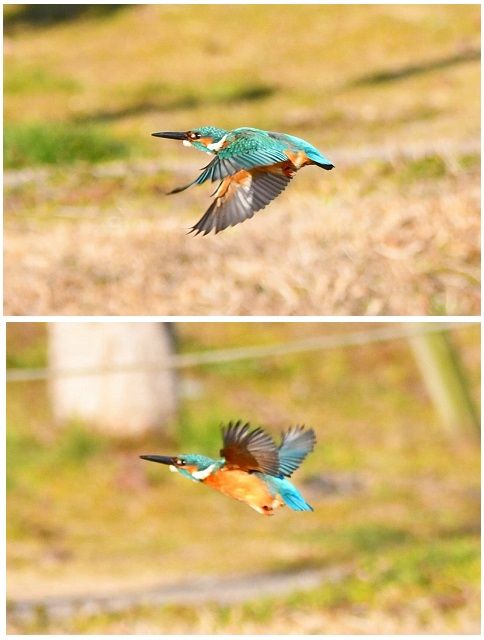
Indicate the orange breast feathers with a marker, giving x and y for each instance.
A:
(243, 486)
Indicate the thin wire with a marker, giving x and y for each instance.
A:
(184, 361)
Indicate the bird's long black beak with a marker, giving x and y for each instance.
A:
(173, 135)
(162, 459)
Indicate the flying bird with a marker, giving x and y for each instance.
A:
(252, 468)
(253, 166)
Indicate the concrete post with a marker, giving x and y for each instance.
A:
(125, 403)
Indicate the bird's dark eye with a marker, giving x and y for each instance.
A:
(194, 136)
(181, 462)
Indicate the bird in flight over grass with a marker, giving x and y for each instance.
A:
(252, 468)
(253, 166)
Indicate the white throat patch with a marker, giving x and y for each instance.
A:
(215, 146)
(204, 473)
(187, 143)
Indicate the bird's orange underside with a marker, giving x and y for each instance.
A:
(245, 487)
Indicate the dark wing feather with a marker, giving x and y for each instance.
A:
(249, 450)
(296, 443)
(242, 202)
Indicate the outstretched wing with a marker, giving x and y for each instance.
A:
(240, 196)
(249, 450)
(296, 443)
(244, 149)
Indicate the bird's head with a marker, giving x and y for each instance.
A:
(209, 139)
(191, 466)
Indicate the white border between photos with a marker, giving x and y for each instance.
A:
(248, 319)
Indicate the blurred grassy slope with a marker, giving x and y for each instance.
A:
(339, 75)
(409, 532)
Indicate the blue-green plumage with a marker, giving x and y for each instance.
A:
(253, 165)
(287, 491)
(298, 144)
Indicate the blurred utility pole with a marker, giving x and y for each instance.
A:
(446, 383)
(124, 403)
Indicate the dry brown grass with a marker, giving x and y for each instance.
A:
(343, 245)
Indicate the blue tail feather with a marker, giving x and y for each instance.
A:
(295, 501)
(312, 153)
(321, 160)
(287, 491)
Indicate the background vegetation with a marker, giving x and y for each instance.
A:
(389, 93)
(396, 497)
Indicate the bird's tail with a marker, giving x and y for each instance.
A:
(319, 160)
(295, 501)
(288, 492)
(328, 166)
(312, 153)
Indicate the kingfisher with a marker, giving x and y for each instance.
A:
(253, 166)
(252, 468)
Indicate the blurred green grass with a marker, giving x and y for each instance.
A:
(409, 531)
(34, 143)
